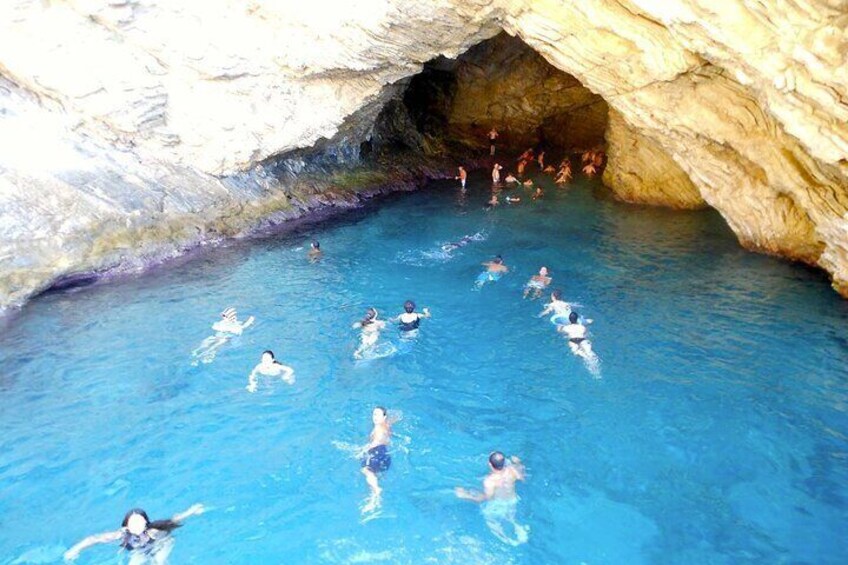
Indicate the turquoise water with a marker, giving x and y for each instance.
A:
(716, 432)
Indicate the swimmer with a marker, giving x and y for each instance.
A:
(465, 240)
(500, 482)
(538, 194)
(493, 201)
(549, 170)
(499, 499)
(269, 367)
(137, 532)
(496, 174)
(462, 176)
(564, 174)
(537, 284)
(375, 455)
(521, 166)
(576, 333)
(541, 160)
(510, 178)
(496, 265)
(527, 155)
(409, 319)
(230, 324)
(225, 329)
(590, 170)
(513, 199)
(371, 328)
(528, 183)
(315, 252)
(557, 306)
(493, 136)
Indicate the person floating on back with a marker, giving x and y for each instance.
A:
(269, 367)
(138, 533)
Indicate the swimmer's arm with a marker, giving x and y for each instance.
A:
(194, 510)
(251, 380)
(106, 537)
(247, 323)
(288, 374)
(425, 313)
(517, 468)
(466, 494)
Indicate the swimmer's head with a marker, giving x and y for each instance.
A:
(497, 460)
(573, 317)
(229, 314)
(543, 271)
(379, 415)
(370, 316)
(409, 306)
(316, 245)
(556, 295)
(498, 260)
(136, 521)
(268, 357)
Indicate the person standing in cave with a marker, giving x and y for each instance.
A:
(521, 165)
(462, 176)
(493, 135)
(541, 161)
(496, 174)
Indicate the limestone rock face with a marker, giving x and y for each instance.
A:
(129, 125)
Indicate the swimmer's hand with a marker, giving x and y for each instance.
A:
(515, 460)
(71, 554)
(195, 510)
(251, 387)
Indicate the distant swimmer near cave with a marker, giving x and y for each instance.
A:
(138, 534)
(499, 499)
(225, 329)
(462, 176)
(496, 174)
(269, 367)
(315, 252)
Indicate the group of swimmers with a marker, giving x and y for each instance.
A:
(139, 534)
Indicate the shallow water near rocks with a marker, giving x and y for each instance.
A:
(716, 432)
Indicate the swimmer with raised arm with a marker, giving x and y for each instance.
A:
(315, 252)
(137, 533)
(537, 284)
(229, 323)
(375, 455)
(576, 333)
(269, 367)
(409, 319)
(371, 328)
(557, 306)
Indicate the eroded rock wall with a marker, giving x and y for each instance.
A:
(128, 115)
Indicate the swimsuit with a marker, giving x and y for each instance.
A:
(377, 459)
(576, 340)
(133, 542)
(409, 326)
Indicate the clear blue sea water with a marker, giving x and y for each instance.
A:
(715, 434)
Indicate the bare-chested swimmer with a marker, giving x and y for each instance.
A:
(537, 284)
(315, 252)
(496, 174)
(557, 306)
(371, 328)
(375, 455)
(269, 367)
(462, 176)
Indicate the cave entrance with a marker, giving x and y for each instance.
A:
(503, 83)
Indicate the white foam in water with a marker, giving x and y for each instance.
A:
(442, 253)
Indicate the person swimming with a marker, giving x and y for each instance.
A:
(409, 320)
(269, 367)
(371, 328)
(538, 194)
(463, 241)
(375, 457)
(557, 306)
(495, 269)
(315, 252)
(510, 178)
(229, 323)
(537, 284)
(499, 497)
(577, 336)
(496, 174)
(462, 176)
(137, 533)
(493, 201)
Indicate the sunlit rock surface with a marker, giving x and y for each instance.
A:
(129, 127)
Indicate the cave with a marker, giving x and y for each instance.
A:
(502, 83)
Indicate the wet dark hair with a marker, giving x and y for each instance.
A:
(316, 244)
(498, 259)
(271, 353)
(161, 525)
(381, 409)
(557, 294)
(409, 306)
(573, 317)
(497, 460)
